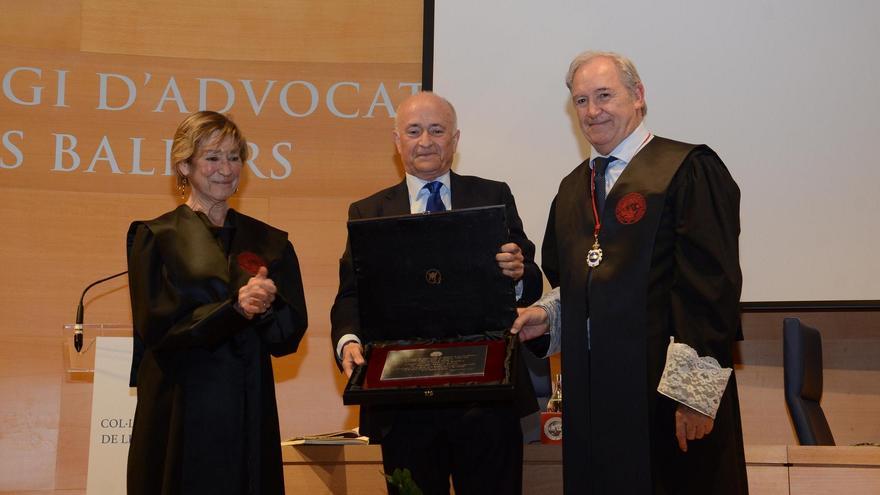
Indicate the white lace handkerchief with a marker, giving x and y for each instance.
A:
(697, 382)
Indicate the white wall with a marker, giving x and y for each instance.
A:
(785, 91)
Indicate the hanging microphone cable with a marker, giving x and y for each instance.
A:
(78, 326)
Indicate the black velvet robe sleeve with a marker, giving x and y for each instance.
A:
(549, 255)
(283, 328)
(164, 317)
(707, 283)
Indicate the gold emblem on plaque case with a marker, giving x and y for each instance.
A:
(433, 276)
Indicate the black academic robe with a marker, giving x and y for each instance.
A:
(669, 232)
(206, 419)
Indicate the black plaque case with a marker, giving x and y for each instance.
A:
(432, 280)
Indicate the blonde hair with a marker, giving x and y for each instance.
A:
(198, 128)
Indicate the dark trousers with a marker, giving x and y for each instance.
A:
(480, 447)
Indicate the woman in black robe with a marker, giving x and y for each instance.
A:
(214, 294)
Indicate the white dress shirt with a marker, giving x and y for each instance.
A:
(623, 154)
(418, 195)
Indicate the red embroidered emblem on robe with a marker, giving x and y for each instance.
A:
(631, 208)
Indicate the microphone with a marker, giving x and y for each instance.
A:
(78, 326)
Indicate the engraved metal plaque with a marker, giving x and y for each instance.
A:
(406, 364)
(476, 368)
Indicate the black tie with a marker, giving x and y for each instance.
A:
(434, 201)
(600, 164)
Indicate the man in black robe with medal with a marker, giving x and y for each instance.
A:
(641, 248)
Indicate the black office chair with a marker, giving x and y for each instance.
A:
(802, 362)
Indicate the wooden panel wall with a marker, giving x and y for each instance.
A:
(64, 226)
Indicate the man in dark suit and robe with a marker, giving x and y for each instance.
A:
(642, 247)
(480, 444)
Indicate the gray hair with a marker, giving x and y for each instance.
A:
(625, 67)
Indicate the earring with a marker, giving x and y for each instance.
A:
(181, 187)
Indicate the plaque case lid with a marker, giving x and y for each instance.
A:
(432, 275)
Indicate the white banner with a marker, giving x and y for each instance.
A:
(113, 404)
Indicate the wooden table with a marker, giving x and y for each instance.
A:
(773, 469)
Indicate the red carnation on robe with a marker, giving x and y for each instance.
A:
(250, 262)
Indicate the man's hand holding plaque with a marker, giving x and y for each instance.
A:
(531, 323)
(510, 260)
(352, 355)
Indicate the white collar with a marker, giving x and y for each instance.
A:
(627, 149)
(414, 185)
